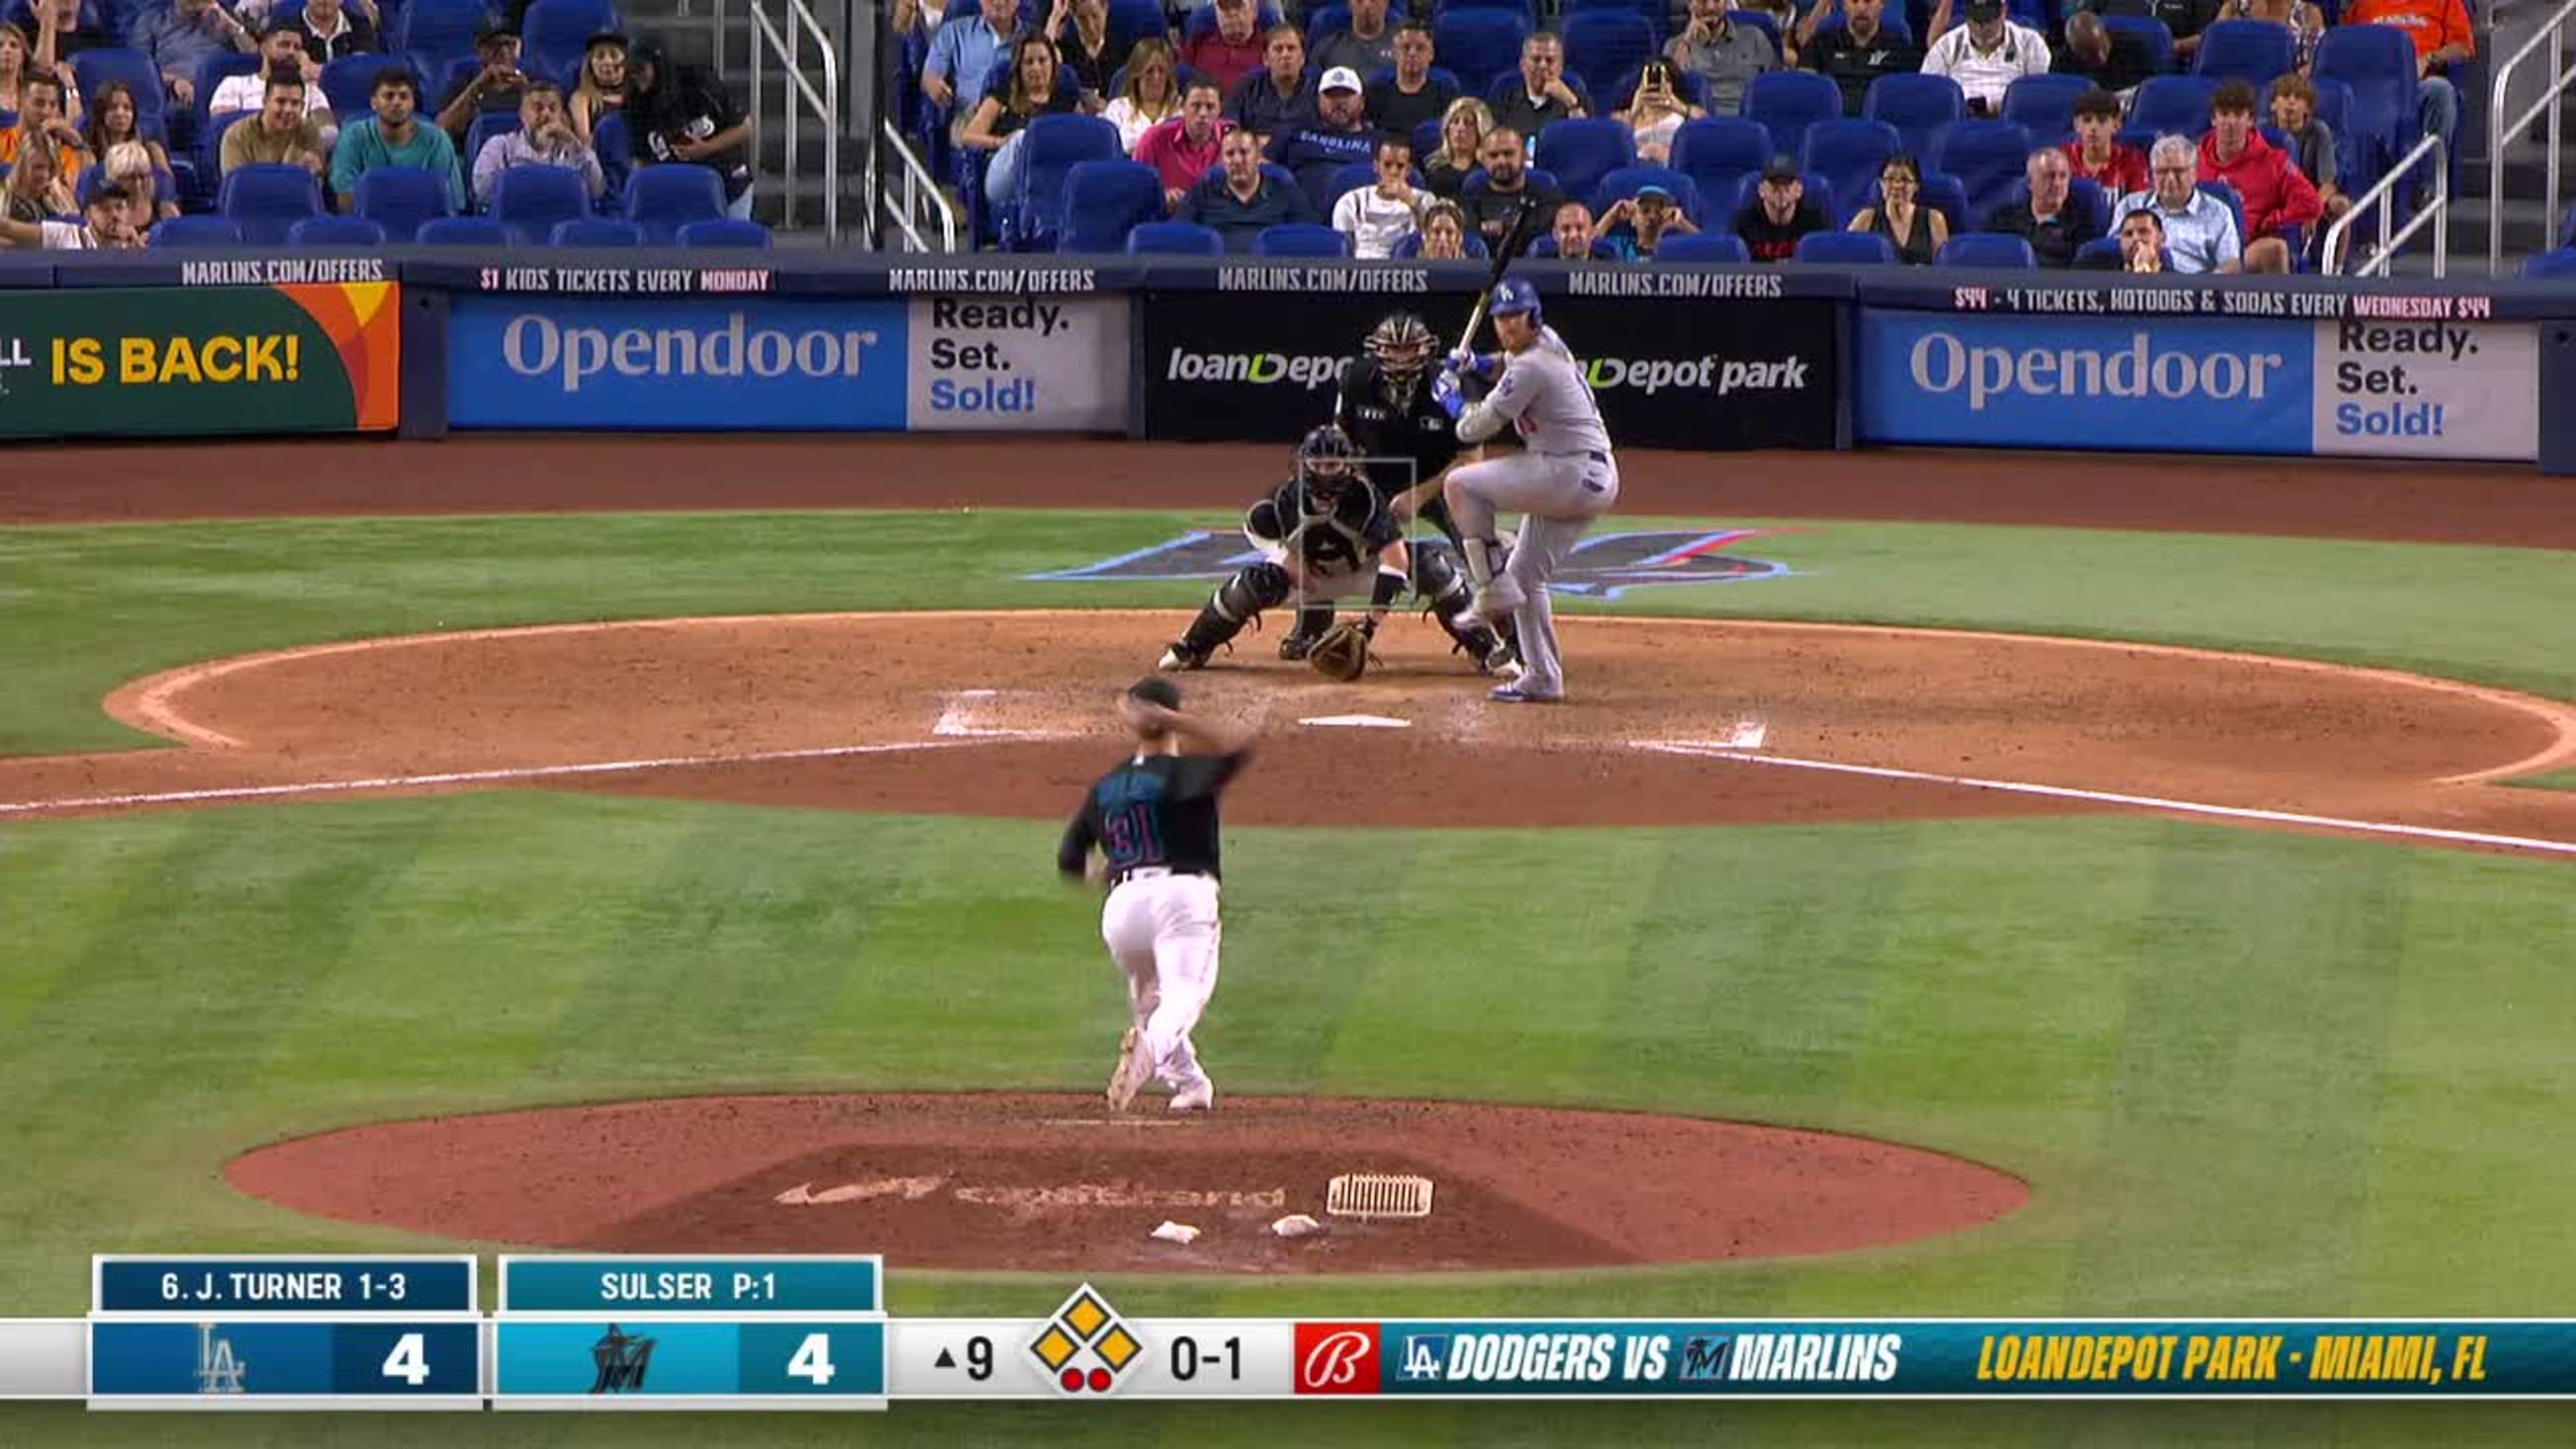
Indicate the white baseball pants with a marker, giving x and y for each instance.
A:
(1560, 494)
(1163, 932)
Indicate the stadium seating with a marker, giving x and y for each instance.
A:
(2044, 105)
(1686, 84)
(1625, 182)
(1602, 44)
(1479, 44)
(553, 30)
(662, 199)
(400, 199)
(616, 152)
(349, 83)
(2378, 63)
(1988, 157)
(2555, 266)
(1985, 249)
(2246, 50)
(435, 32)
(463, 231)
(1849, 154)
(1104, 200)
(1527, 10)
(1354, 177)
(726, 233)
(1174, 239)
(1579, 153)
(2235, 204)
(1323, 20)
(134, 69)
(1942, 193)
(1788, 102)
(198, 231)
(2147, 32)
(596, 231)
(530, 200)
(1136, 19)
(1917, 105)
(1300, 239)
(2169, 105)
(266, 200)
(2085, 196)
(1718, 152)
(1053, 146)
(480, 133)
(213, 72)
(1846, 249)
(1819, 190)
(335, 231)
(1699, 247)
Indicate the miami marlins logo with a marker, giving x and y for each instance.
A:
(1602, 566)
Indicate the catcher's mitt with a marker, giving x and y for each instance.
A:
(1342, 654)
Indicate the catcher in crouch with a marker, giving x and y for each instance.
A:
(1324, 536)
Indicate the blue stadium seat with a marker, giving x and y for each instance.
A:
(1819, 190)
(616, 152)
(530, 200)
(1136, 19)
(1357, 176)
(1650, 11)
(1686, 84)
(135, 70)
(1703, 247)
(1986, 249)
(553, 30)
(2165, 105)
(335, 231)
(1174, 239)
(1917, 105)
(1053, 146)
(1579, 153)
(213, 72)
(1527, 10)
(463, 231)
(1988, 157)
(2246, 50)
(596, 231)
(2554, 266)
(1720, 151)
(2149, 33)
(1849, 154)
(1601, 44)
(349, 83)
(400, 199)
(1300, 239)
(1627, 181)
(1846, 249)
(1103, 201)
(479, 135)
(727, 233)
(661, 199)
(1323, 20)
(268, 199)
(2378, 63)
(198, 231)
(1479, 44)
(439, 30)
(1789, 101)
(2045, 106)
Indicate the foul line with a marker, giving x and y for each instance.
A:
(464, 777)
(1714, 751)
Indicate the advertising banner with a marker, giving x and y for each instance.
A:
(738, 363)
(117, 362)
(2201, 384)
(1006, 364)
(1257, 366)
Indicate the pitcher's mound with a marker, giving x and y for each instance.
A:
(1057, 1183)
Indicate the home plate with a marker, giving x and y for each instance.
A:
(1358, 722)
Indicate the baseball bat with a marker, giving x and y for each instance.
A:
(1505, 252)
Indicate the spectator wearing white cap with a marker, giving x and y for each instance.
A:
(1986, 55)
(1336, 136)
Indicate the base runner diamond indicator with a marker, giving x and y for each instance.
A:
(1084, 1346)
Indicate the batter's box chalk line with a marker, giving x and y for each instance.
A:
(1358, 722)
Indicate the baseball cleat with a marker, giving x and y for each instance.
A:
(1198, 1096)
(1132, 1070)
(1296, 647)
(1499, 598)
(1513, 693)
(1500, 663)
(1181, 656)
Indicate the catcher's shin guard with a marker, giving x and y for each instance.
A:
(1443, 585)
(1235, 603)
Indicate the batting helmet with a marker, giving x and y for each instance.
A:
(1514, 296)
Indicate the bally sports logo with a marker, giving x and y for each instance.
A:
(1337, 1358)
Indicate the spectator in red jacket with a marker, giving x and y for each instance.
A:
(1231, 51)
(2266, 180)
(2443, 37)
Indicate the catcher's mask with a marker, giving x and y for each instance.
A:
(1327, 462)
(1402, 347)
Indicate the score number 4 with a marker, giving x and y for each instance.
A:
(812, 1360)
(409, 1361)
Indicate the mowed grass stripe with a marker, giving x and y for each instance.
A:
(2471, 1182)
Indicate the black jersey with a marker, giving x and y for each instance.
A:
(1160, 810)
(1395, 428)
(1341, 542)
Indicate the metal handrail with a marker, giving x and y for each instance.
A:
(2561, 77)
(2437, 215)
(826, 104)
(917, 184)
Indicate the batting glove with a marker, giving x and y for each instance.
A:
(1470, 363)
(1444, 391)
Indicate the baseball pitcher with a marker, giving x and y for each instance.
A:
(1154, 820)
(1563, 480)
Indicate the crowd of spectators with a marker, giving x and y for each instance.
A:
(1312, 102)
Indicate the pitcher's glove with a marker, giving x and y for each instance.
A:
(1343, 653)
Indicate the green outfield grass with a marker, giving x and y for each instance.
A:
(2247, 1073)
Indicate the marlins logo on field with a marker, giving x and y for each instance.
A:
(1602, 566)
(1703, 1358)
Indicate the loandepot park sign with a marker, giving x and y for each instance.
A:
(1602, 566)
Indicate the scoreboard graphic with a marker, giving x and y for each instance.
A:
(806, 1333)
